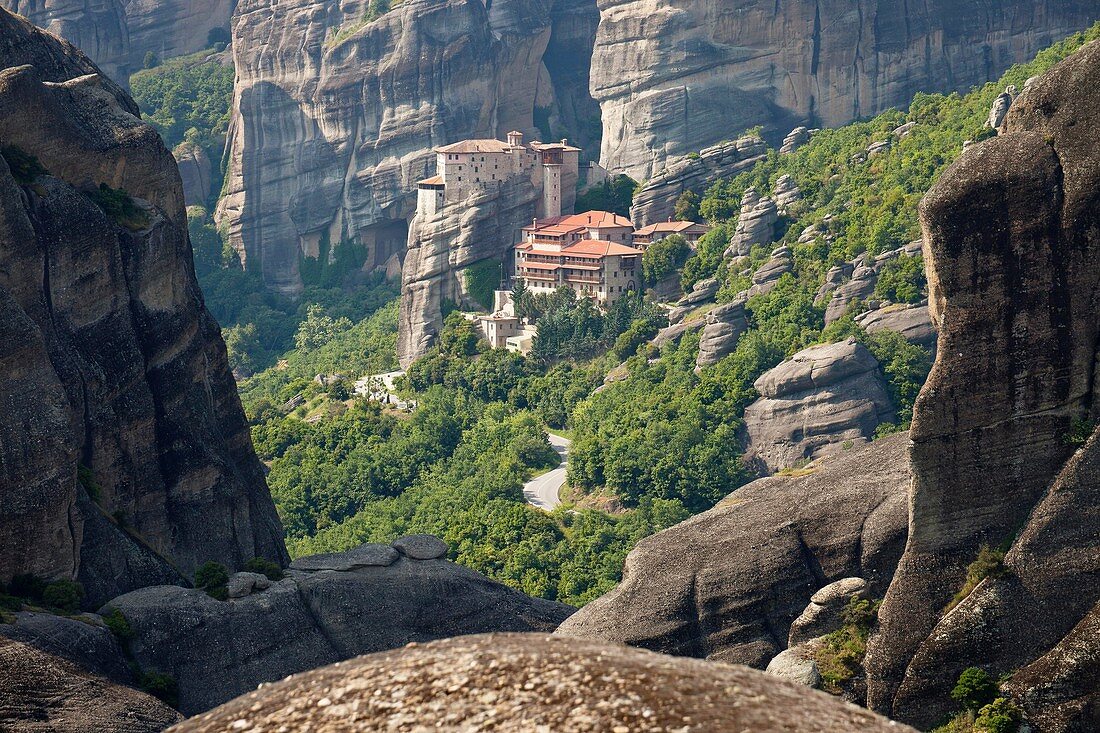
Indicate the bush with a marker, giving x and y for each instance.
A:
(263, 566)
(212, 578)
(999, 716)
(664, 257)
(988, 564)
(64, 594)
(27, 586)
(118, 205)
(10, 603)
(118, 625)
(975, 689)
(161, 686)
(840, 656)
(151, 61)
(24, 167)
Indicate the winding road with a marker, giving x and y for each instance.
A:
(542, 491)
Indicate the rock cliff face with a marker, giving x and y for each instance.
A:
(1013, 253)
(814, 403)
(672, 78)
(335, 116)
(111, 363)
(369, 599)
(534, 682)
(116, 34)
(728, 583)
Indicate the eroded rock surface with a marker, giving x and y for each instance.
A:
(110, 360)
(822, 400)
(1014, 273)
(724, 326)
(313, 618)
(911, 321)
(675, 77)
(726, 584)
(755, 224)
(519, 682)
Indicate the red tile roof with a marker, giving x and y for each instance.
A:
(665, 226)
(433, 181)
(476, 146)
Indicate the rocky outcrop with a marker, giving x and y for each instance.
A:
(672, 78)
(442, 245)
(834, 278)
(374, 598)
(767, 275)
(856, 294)
(795, 139)
(1014, 273)
(911, 321)
(702, 292)
(117, 34)
(40, 691)
(755, 224)
(785, 193)
(853, 293)
(822, 400)
(825, 612)
(195, 172)
(335, 116)
(656, 200)
(534, 682)
(728, 583)
(724, 326)
(112, 366)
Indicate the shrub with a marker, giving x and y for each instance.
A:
(150, 61)
(840, 656)
(118, 625)
(975, 689)
(10, 603)
(988, 564)
(999, 716)
(118, 205)
(264, 566)
(27, 586)
(161, 686)
(24, 167)
(64, 594)
(212, 578)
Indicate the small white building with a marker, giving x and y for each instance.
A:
(502, 324)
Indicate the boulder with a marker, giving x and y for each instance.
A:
(245, 584)
(216, 650)
(834, 278)
(724, 326)
(825, 612)
(1013, 260)
(364, 556)
(85, 641)
(795, 139)
(797, 666)
(726, 584)
(785, 193)
(421, 547)
(822, 400)
(519, 682)
(40, 691)
(911, 321)
(673, 334)
(851, 293)
(767, 276)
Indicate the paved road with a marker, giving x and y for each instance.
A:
(543, 491)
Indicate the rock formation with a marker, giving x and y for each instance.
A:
(672, 78)
(825, 611)
(857, 291)
(335, 115)
(795, 139)
(755, 224)
(195, 172)
(656, 200)
(328, 608)
(442, 245)
(814, 404)
(911, 321)
(724, 326)
(40, 691)
(785, 193)
(117, 34)
(999, 111)
(1014, 273)
(702, 292)
(520, 682)
(728, 583)
(767, 275)
(114, 369)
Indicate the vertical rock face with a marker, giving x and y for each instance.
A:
(111, 364)
(675, 77)
(335, 117)
(116, 34)
(1013, 256)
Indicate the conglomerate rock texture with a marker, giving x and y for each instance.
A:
(534, 682)
(111, 363)
(675, 77)
(335, 116)
(1012, 246)
(727, 584)
(43, 692)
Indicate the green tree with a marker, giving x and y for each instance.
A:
(212, 577)
(975, 689)
(318, 328)
(664, 257)
(687, 206)
(999, 716)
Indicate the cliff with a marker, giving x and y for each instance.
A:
(336, 111)
(117, 34)
(1013, 260)
(126, 454)
(672, 78)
